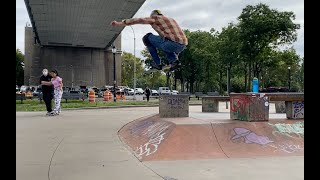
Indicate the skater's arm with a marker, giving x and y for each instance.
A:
(128, 22)
(46, 83)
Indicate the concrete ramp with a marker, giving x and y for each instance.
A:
(155, 138)
(251, 139)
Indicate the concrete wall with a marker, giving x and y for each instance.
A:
(171, 106)
(77, 66)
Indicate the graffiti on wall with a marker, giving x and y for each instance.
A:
(280, 107)
(258, 107)
(291, 130)
(176, 103)
(238, 105)
(298, 109)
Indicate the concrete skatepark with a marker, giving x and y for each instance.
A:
(94, 144)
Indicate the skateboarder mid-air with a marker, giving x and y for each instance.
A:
(171, 39)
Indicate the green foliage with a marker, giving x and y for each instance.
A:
(19, 68)
(250, 48)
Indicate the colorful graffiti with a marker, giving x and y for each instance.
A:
(298, 109)
(239, 104)
(250, 137)
(155, 133)
(258, 110)
(287, 148)
(296, 129)
(150, 147)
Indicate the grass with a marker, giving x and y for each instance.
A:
(35, 105)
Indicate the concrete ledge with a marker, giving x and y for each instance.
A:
(174, 106)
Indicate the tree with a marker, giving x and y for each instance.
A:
(198, 60)
(229, 50)
(127, 69)
(276, 71)
(262, 28)
(19, 68)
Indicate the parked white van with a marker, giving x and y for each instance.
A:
(164, 90)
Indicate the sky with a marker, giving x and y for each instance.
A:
(190, 14)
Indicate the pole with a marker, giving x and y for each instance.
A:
(72, 76)
(134, 65)
(289, 78)
(114, 76)
(228, 86)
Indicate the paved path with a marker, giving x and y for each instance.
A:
(83, 145)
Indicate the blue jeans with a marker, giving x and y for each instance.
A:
(170, 48)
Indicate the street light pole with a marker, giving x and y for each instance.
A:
(289, 77)
(134, 65)
(114, 50)
(72, 76)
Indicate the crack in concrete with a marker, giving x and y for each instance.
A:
(52, 157)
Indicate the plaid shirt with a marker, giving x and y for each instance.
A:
(166, 27)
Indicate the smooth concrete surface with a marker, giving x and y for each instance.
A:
(83, 144)
(283, 168)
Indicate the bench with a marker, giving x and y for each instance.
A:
(150, 97)
(186, 93)
(199, 94)
(211, 103)
(68, 95)
(294, 103)
(21, 97)
(213, 93)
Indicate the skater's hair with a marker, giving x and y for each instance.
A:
(55, 71)
(156, 12)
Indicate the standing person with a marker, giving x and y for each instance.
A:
(47, 91)
(148, 92)
(171, 39)
(56, 82)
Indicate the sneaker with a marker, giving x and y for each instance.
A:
(52, 114)
(49, 113)
(175, 65)
(156, 66)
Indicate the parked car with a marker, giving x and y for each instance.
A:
(164, 90)
(24, 88)
(154, 92)
(129, 91)
(139, 91)
(174, 92)
(275, 89)
(37, 91)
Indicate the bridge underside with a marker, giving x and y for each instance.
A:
(74, 37)
(79, 23)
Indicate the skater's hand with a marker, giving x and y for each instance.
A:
(116, 23)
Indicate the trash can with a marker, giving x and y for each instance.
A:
(249, 106)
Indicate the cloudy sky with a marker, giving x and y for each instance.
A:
(190, 14)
